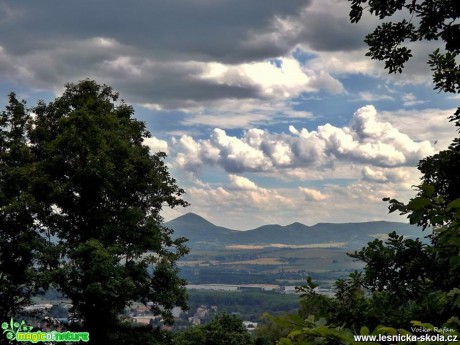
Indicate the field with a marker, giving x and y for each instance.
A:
(273, 264)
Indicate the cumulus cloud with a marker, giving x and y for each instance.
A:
(242, 183)
(280, 78)
(162, 53)
(193, 28)
(313, 194)
(424, 125)
(156, 145)
(367, 140)
(175, 54)
(180, 55)
(385, 175)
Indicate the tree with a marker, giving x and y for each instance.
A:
(429, 20)
(406, 279)
(20, 243)
(194, 335)
(433, 270)
(227, 329)
(100, 192)
(223, 329)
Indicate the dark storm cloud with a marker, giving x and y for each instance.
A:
(156, 51)
(194, 29)
(170, 92)
(327, 32)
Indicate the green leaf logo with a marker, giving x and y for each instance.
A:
(13, 328)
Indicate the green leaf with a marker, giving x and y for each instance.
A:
(295, 333)
(386, 330)
(454, 204)
(285, 341)
(421, 324)
(418, 203)
(455, 261)
(416, 216)
(364, 330)
(428, 189)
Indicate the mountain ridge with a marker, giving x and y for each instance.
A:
(204, 234)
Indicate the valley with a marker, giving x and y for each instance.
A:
(275, 254)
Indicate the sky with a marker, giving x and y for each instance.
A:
(269, 111)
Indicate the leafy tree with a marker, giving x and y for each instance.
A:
(430, 21)
(100, 192)
(269, 331)
(191, 336)
(311, 302)
(18, 239)
(420, 20)
(406, 279)
(227, 329)
(223, 329)
(405, 268)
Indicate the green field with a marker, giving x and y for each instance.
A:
(268, 265)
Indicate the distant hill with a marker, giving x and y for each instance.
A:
(203, 234)
(199, 231)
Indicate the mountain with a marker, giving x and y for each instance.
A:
(198, 230)
(204, 234)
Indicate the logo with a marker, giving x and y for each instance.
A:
(22, 332)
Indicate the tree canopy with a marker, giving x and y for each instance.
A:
(96, 192)
(20, 243)
(428, 20)
(223, 329)
(405, 280)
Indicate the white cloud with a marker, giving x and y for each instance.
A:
(155, 145)
(346, 62)
(234, 113)
(410, 99)
(249, 206)
(242, 183)
(239, 204)
(324, 80)
(313, 194)
(406, 175)
(424, 125)
(370, 97)
(202, 52)
(367, 140)
(283, 77)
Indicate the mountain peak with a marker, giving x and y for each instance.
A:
(192, 218)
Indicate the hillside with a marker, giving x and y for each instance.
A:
(204, 234)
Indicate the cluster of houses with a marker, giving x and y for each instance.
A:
(44, 315)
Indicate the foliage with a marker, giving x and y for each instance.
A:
(311, 302)
(404, 279)
(245, 303)
(427, 20)
(20, 243)
(102, 193)
(78, 173)
(268, 331)
(224, 329)
(317, 331)
(420, 277)
(127, 334)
